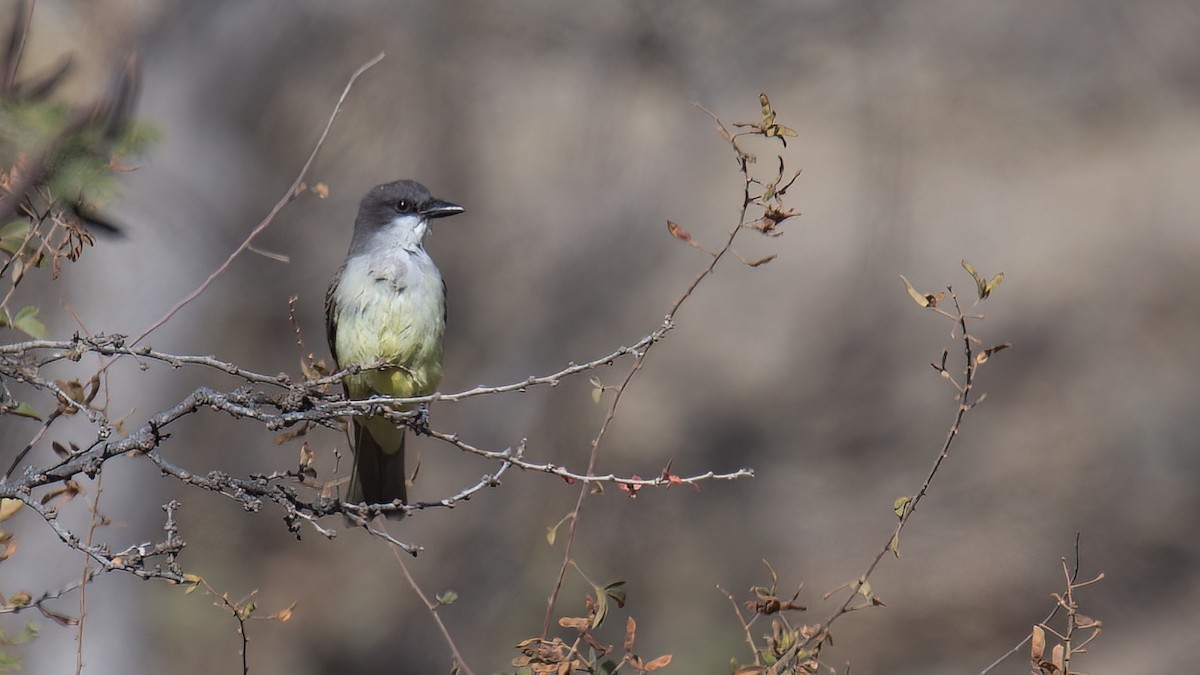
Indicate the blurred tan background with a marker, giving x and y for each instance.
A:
(1057, 142)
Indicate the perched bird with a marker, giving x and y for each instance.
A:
(385, 311)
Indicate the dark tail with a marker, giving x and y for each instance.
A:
(379, 476)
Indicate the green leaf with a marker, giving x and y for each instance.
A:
(614, 591)
(138, 137)
(601, 608)
(983, 287)
(12, 236)
(446, 598)
(611, 590)
(27, 322)
(24, 410)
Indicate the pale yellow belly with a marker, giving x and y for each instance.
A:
(378, 324)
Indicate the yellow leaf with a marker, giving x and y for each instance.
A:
(284, 614)
(971, 270)
(917, 296)
(768, 114)
(984, 288)
(8, 507)
(991, 285)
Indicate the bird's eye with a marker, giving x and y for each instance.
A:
(403, 206)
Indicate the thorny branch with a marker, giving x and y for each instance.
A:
(291, 403)
(1060, 656)
(770, 200)
(278, 402)
(803, 652)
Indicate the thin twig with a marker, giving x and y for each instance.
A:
(964, 405)
(117, 346)
(745, 624)
(1053, 612)
(46, 596)
(663, 480)
(87, 572)
(292, 192)
(640, 358)
(433, 612)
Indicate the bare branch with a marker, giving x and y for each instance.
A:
(294, 191)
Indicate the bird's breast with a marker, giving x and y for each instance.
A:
(390, 308)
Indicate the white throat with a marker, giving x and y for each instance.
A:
(407, 231)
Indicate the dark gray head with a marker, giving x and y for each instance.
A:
(400, 211)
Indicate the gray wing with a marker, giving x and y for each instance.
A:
(331, 314)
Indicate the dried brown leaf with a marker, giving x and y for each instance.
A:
(60, 619)
(283, 614)
(661, 662)
(678, 232)
(983, 356)
(579, 623)
(291, 434)
(10, 545)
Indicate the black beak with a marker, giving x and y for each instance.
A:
(437, 208)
